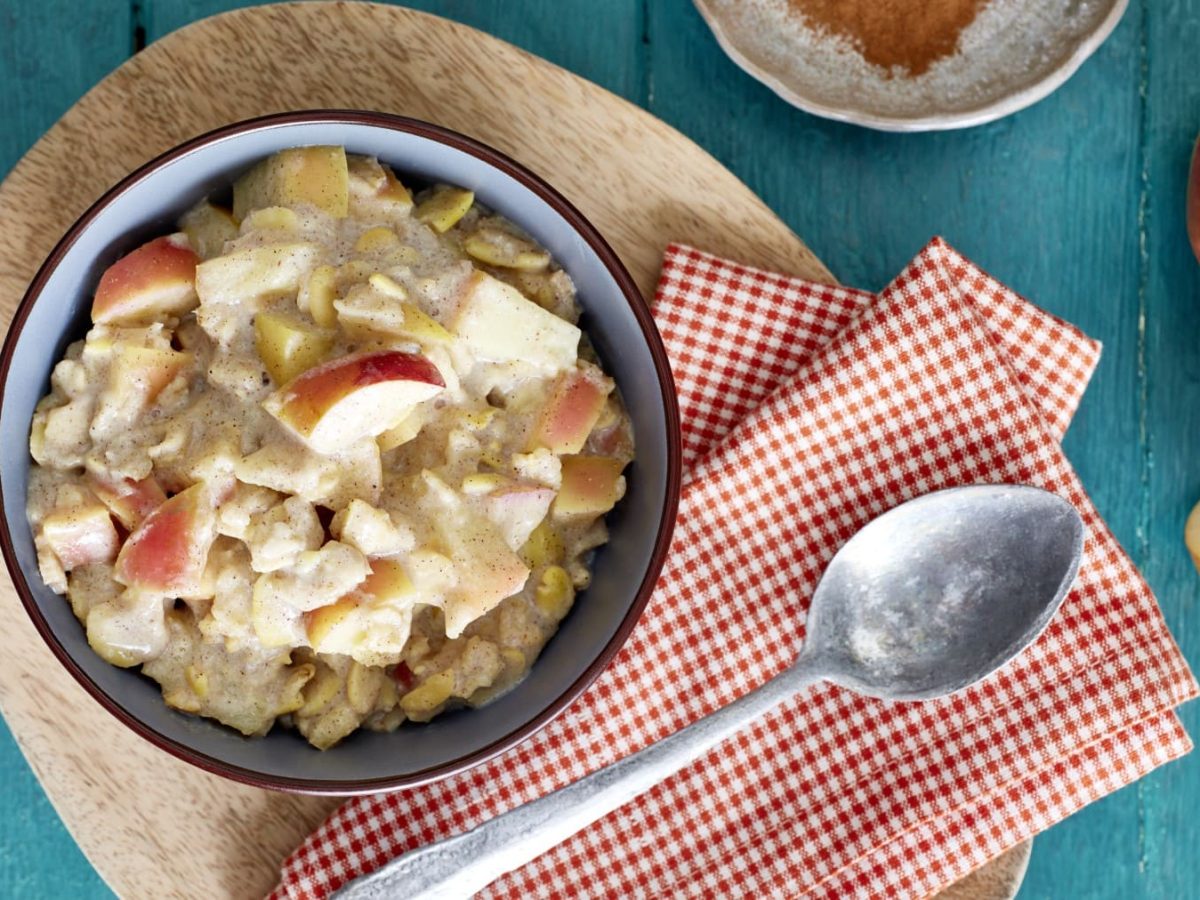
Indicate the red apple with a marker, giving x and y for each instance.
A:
(167, 552)
(337, 404)
(156, 280)
(571, 411)
(128, 500)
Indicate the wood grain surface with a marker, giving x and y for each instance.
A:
(153, 826)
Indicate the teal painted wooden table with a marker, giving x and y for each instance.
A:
(1077, 203)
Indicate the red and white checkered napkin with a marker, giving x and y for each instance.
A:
(809, 410)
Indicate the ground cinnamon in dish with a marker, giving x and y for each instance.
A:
(910, 35)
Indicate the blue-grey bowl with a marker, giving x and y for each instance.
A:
(55, 311)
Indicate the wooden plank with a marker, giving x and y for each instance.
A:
(601, 42)
(1170, 827)
(44, 68)
(1045, 199)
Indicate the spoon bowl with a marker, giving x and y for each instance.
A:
(942, 590)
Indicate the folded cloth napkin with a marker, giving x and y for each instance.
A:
(808, 410)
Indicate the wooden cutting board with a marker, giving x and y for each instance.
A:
(154, 826)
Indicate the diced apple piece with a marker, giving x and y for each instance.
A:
(517, 512)
(375, 190)
(64, 432)
(387, 583)
(423, 702)
(313, 175)
(245, 503)
(135, 379)
(444, 207)
(377, 241)
(572, 410)
(289, 346)
(539, 465)
(393, 191)
(555, 593)
(208, 227)
(317, 295)
(422, 327)
(156, 280)
(500, 325)
(388, 286)
(273, 219)
(405, 430)
(289, 467)
(591, 485)
(485, 567)
(478, 483)
(370, 625)
(317, 578)
(368, 311)
(277, 537)
(275, 624)
(128, 500)
(365, 314)
(144, 372)
(496, 247)
(270, 270)
(129, 630)
(371, 530)
(343, 627)
(488, 571)
(338, 625)
(167, 552)
(81, 535)
(362, 395)
(543, 547)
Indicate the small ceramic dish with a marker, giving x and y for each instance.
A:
(55, 311)
(1013, 54)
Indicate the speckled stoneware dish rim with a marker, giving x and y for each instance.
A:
(989, 112)
(641, 311)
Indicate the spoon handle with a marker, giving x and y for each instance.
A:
(459, 866)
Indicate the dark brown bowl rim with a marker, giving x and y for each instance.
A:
(633, 297)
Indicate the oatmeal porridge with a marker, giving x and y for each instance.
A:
(336, 456)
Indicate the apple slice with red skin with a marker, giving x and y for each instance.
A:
(334, 405)
(156, 280)
(571, 411)
(167, 552)
(81, 535)
(129, 501)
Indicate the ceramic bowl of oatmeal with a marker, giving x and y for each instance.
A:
(348, 452)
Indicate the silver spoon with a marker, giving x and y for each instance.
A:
(923, 601)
